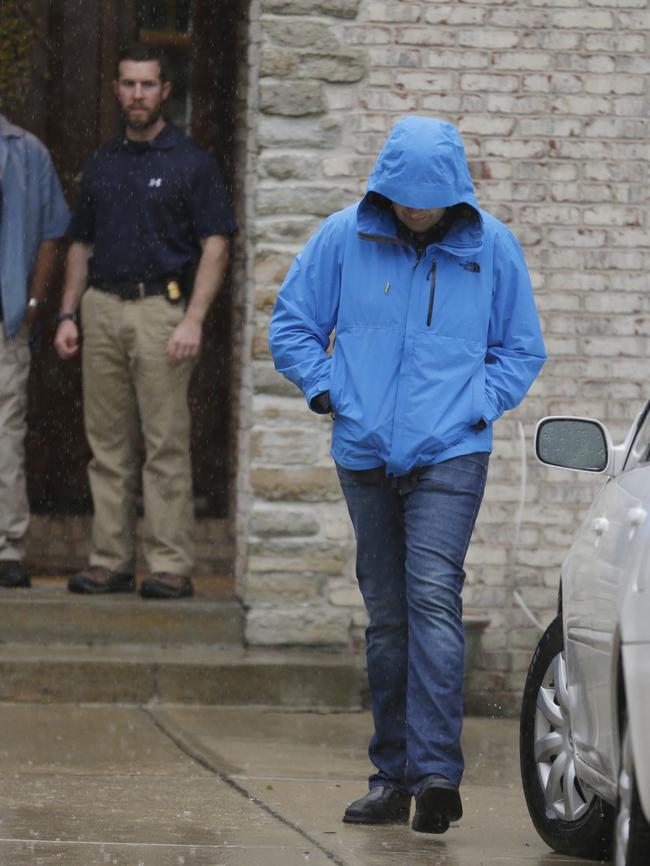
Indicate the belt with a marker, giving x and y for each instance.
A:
(127, 291)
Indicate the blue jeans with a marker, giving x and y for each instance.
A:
(411, 546)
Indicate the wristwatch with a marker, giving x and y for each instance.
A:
(64, 317)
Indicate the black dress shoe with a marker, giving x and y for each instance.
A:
(381, 805)
(98, 580)
(13, 574)
(436, 804)
(161, 584)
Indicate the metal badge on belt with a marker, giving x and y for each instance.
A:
(173, 292)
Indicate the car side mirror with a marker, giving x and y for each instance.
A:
(573, 443)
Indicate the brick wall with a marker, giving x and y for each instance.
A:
(551, 97)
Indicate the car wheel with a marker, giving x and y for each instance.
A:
(632, 829)
(569, 818)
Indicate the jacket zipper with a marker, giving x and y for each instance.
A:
(432, 293)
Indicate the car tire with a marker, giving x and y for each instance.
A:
(569, 819)
(632, 829)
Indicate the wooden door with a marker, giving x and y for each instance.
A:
(79, 113)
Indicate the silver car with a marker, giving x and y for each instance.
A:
(585, 720)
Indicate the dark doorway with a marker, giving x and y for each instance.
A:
(74, 111)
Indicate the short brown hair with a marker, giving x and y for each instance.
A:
(140, 53)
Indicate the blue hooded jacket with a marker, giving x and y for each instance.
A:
(431, 347)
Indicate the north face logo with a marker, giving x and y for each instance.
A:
(474, 267)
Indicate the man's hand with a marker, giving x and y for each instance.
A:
(66, 340)
(185, 342)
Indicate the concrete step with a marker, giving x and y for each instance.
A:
(48, 613)
(136, 674)
(58, 647)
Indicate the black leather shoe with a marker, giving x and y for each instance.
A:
(13, 574)
(381, 805)
(161, 584)
(436, 804)
(98, 580)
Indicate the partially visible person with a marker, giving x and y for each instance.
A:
(437, 336)
(33, 216)
(150, 236)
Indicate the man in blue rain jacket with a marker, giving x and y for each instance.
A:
(436, 335)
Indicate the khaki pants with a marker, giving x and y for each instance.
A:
(14, 510)
(128, 385)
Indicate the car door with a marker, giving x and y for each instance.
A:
(595, 573)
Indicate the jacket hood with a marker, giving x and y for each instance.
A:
(423, 165)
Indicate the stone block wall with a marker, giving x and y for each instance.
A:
(552, 98)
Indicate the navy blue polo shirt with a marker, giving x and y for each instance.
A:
(146, 205)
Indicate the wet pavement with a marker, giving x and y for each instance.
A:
(97, 785)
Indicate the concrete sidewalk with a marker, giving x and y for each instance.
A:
(210, 786)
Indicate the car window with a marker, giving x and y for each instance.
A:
(640, 450)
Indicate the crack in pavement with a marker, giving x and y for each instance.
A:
(193, 752)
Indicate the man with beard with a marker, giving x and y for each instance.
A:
(149, 251)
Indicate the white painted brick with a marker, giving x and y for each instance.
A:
(581, 237)
(632, 63)
(425, 36)
(514, 149)
(549, 4)
(564, 302)
(636, 20)
(486, 124)
(401, 13)
(458, 59)
(615, 84)
(588, 105)
(515, 104)
(546, 170)
(622, 303)
(621, 4)
(604, 64)
(467, 15)
(529, 192)
(380, 78)
(575, 19)
(561, 347)
(522, 60)
(561, 127)
(558, 40)
(492, 170)
(629, 237)
(485, 37)
(441, 105)
(537, 83)
(629, 347)
(426, 80)
(521, 18)
(629, 106)
(394, 57)
(385, 100)
(623, 42)
(601, 127)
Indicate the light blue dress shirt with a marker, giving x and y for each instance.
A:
(33, 210)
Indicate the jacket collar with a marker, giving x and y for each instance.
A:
(376, 222)
(8, 130)
(165, 140)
